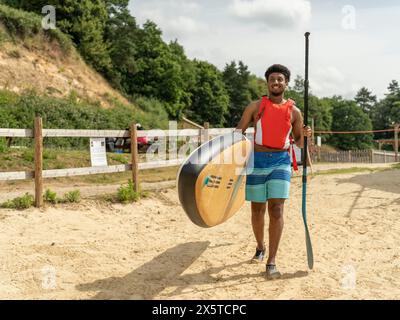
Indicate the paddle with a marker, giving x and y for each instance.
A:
(310, 257)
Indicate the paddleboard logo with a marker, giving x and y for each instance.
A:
(212, 181)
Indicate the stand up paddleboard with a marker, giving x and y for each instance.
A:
(211, 181)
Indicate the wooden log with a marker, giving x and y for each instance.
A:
(135, 157)
(38, 162)
(396, 142)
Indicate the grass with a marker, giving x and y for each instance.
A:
(396, 166)
(349, 170)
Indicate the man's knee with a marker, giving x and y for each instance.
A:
(258, 209)
(276, 211)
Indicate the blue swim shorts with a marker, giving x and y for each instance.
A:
(268, 176)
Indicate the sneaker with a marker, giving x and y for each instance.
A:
(272, 272)
(259, 256)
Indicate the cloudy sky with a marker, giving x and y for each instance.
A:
(352, 43)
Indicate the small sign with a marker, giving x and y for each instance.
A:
(98, 155)
(319, 141)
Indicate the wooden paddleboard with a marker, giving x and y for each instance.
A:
(211, 181)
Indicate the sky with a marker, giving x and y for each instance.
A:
(352, 43)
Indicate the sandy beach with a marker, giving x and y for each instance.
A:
(151, 250)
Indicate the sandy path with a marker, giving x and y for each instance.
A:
(150, 250)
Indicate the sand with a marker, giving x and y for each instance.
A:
(151, 250)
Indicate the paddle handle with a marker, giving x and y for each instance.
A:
(306, 86)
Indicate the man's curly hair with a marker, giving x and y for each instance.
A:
(280, 69)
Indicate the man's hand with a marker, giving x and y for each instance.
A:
(307, 132)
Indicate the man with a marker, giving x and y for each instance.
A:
(277, 123)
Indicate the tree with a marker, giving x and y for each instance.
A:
(386, 112)
(365, 100)
(347, 116)
(85, 22)
(237, 78)
(319, 109)
(121, 35)
(162, 70)
(257, 87)
(210, 100)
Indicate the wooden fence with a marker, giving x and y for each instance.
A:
(38, 133)
(356, 156)
(200, 135)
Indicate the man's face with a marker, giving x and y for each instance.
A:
(276, 84)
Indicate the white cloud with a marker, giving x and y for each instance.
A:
(275, 14)
(329, 80)
(174, 17)
(183, 25)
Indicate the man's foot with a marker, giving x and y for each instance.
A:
(272, 272)
(259, 256)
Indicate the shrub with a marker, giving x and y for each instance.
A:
(20, 203)
(72, 196)
(50, 196)
(126, 193)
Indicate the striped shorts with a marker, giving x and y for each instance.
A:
(268, 176)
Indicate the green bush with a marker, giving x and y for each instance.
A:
(126, 193)
(20, 112)
(50, 196)
(72, 196)
(24, 202)
(20, 23)
(25, 24)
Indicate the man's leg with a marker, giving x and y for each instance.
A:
(275, 211)
(258, 221)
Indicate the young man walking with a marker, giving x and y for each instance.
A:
(277, 123)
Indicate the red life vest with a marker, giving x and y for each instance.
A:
(273, 126)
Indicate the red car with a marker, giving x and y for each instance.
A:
(122, 144)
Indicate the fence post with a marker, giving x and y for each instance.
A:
(206, 135)
(38, 136)
(134, 154)
(199, 137)
(372, 156)
(396, 142)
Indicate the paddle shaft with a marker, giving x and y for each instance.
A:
(310, 257)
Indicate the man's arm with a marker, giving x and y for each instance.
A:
(247, 116)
